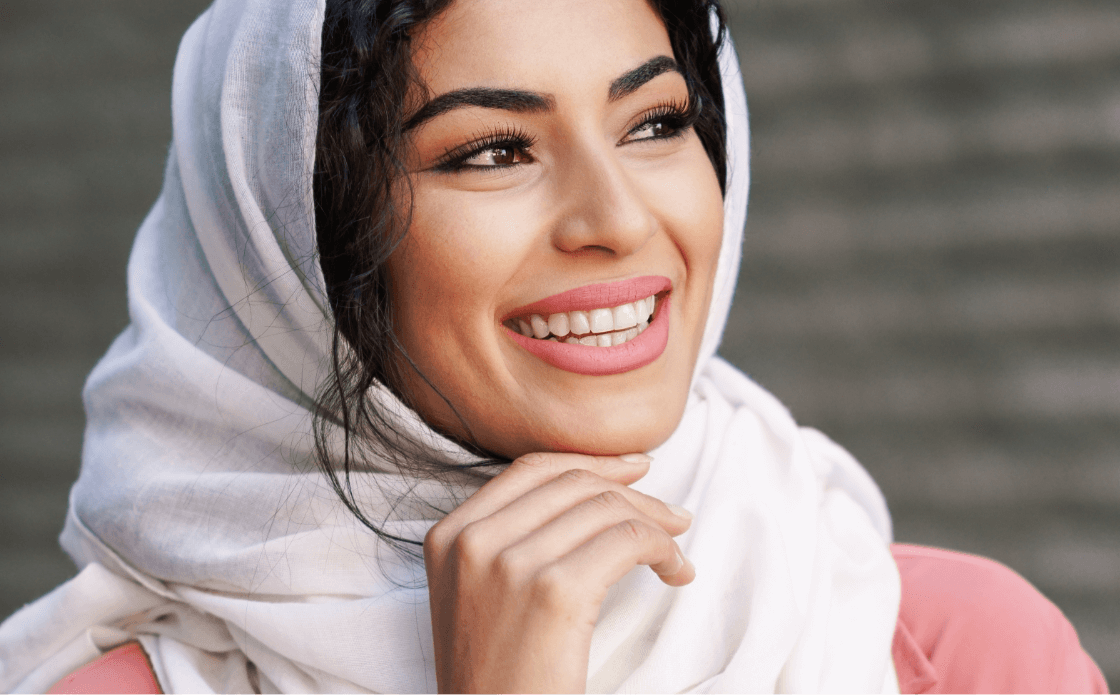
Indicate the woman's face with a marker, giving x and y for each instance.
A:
(557, 187)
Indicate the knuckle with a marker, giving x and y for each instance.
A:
(551, 586)
(635, 531)
(578, 477)
(510, 567)
(435, 540)
(534, 461)
(433, 536)
(612, 502)
(469, 545)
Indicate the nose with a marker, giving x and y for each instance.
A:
(603, 208)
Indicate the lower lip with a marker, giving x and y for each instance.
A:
(601, 361)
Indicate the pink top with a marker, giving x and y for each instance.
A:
(122, 670)
(966, 625)
(970, 625)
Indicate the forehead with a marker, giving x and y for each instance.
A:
(541, 45)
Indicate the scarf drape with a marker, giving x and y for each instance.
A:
(204, 530)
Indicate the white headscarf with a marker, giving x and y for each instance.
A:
(204, 531)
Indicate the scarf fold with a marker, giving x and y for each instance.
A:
(204, 530)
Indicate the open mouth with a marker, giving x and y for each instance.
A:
(600, 329)
(604, 327)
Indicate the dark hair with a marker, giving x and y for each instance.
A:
(366, 78)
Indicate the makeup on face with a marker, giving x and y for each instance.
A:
(553, 286)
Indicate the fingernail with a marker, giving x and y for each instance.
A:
(679, 511)
(686, 563)
(680, 562)
(636, 458)
(678, 568)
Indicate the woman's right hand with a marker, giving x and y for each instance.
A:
(517, 573)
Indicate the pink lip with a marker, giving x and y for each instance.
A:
(602, 295)
(600, 361)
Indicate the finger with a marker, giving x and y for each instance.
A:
(532, 471)
(568, 531)
(583, 493)
(604, 559)
(541, 466)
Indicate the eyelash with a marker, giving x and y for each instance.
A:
(507, 138)
(679, 116)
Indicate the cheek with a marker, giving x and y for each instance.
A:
(706, 209)
(450, 271)
(694, 211)
(450, 262)
(691, 206)
(706, 239)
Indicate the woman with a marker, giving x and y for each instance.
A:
(378, 238)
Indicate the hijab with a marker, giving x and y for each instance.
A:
(203, 530)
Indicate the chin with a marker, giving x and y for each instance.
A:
(604, 427)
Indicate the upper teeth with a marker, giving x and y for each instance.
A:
(579, 323)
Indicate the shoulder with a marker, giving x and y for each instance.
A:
(125, 669)
(983, 628)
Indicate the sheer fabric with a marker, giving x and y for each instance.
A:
(204, 531)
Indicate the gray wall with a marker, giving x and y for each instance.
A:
(84, 127)
(930, 270)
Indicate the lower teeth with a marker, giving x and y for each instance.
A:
(603, 339)
(591, 339)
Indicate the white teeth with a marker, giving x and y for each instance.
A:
(609, 339)
(599, 327)
(558, 324)
(540, 327)
(625, 316)
(579, 323)
(602, 320)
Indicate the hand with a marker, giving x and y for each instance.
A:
(517, 573)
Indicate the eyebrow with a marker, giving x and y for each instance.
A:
(630, 82)
(506, 99)
(520, 101)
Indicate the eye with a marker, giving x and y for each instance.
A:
(663, 122)
(652, 129)
(498, 150)
(501, 156)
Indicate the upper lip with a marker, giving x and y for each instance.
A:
(597, 296)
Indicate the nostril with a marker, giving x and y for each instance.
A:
(596, 247)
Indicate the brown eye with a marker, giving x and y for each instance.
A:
(651, 130)
(663, 123)
(497, 157)
(503, 156)
(501, 150)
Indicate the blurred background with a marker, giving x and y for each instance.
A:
(931, 271)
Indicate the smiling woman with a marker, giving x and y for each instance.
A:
(473, 260)
(579, 187)
(502, 200)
